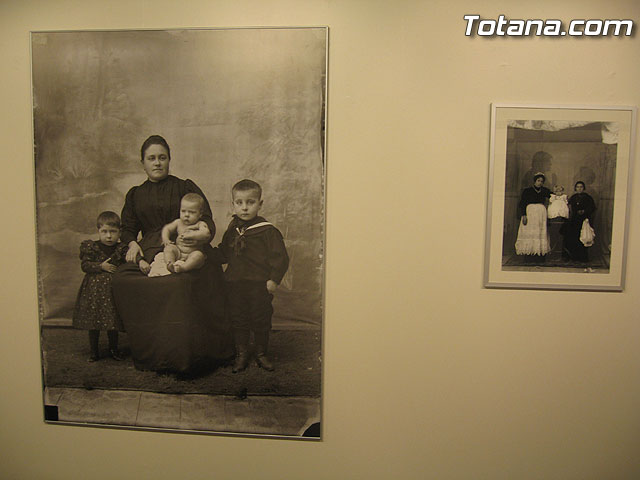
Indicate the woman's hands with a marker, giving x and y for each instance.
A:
(108, 267)
(524, 219)
(144, 267)
(271, 286)
(192, 238)
(195, 235)
(188, 238)
(133, 252)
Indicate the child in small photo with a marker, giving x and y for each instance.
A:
(257, 260)
(558, 203)
(182, 254)
(94, 309)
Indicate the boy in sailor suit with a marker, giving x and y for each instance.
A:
(257, 260)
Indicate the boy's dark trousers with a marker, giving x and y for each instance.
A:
(250, 310)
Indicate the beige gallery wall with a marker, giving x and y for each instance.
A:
(427, 374)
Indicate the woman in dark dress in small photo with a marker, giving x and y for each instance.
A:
(533, 236)
(581, 208)
(176, 322)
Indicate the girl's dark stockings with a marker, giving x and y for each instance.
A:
(94, 336)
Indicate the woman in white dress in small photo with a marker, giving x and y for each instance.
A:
(533, 236)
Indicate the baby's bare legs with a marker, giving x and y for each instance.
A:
(193, 261)
(171, 254)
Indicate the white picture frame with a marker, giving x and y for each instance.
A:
(568, 144)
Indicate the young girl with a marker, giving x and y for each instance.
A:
(558, 203)
(94, 309)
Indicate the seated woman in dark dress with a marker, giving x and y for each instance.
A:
(175, 322)
(581, 208)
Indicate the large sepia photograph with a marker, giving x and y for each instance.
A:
(180, 212)
(558, 197)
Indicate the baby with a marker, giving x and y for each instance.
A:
(190, 235)
(558, 203)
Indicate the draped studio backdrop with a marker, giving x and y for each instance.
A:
(566, 152)
(232, 104)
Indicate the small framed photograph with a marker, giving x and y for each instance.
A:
(558, 196)
(180, 210)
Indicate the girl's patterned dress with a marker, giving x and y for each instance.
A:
(95, 309)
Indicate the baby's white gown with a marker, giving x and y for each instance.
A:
(558, 206)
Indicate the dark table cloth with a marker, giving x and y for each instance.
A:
(174, 323)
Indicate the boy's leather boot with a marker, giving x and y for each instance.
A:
(262, 345)
(241, 362)
(113, 345)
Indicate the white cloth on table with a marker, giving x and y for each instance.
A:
(159, 266)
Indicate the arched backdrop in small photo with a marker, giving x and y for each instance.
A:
(232, 104)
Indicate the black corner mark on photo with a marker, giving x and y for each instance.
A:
(312, 430)
(51, 413)
(241, 394)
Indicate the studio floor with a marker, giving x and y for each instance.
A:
(254, 415)
(554, 262)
